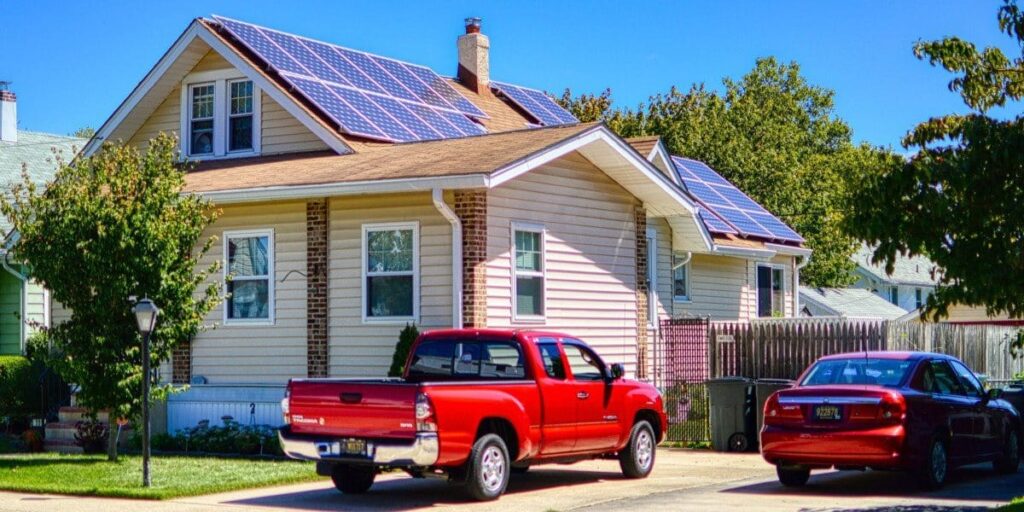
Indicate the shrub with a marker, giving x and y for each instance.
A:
(405, 340)
(229, 439)
(19, 386)
(91, 436)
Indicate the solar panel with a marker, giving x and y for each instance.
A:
(536, 103)
(728, 208)
(366, 95)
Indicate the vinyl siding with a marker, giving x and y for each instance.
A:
(166, 118)
(239, 354)
(590, 251)
(721, 287)
(358, 349)
(10, 305)
(35, 306)
(664, 264)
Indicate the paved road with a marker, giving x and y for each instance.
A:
(682, 480)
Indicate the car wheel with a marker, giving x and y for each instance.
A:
(353, 479)
(637, 458)
(739, 442)
(488, 468)
(935, 466)
(1008, 462)
(793, 476)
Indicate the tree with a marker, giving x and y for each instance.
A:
(405, 340)
(772, 134)
(109, 227)
(959, 199)
(85, 132)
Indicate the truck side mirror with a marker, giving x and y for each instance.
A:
(617, 371)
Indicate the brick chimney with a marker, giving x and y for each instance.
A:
(474, 63)
(8, 114)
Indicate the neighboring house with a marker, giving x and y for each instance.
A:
(361, 194)
(23, 303)
(908, 286)
(967, 315)
(851, 303)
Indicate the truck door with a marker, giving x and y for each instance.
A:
(597, 425)
(558, 400)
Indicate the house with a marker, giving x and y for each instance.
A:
(23, 303)
(966, 315)
(912, 280)
(361, 194)
(850, 303)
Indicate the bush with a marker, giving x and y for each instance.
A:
(405, 341)
(91, 436)
(19, 386)
(229, 439)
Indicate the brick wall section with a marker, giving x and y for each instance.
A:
(642, 346)
(471, 207)
(181, 363)
(316, 287)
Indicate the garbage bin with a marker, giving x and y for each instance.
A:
(764, 389)
(1014, 393)
(732, 414)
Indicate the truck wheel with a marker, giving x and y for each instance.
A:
(1008, 461)
(353, 479)
(488, 468)
(793, 476)
(935, 466)
(637, 458)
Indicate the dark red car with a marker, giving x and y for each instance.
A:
(919, 412)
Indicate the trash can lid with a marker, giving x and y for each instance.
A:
(776, 381)
(731, 378)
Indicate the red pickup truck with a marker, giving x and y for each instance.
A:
(474, 406)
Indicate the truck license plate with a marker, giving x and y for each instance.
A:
(827, 412)
(352, 447)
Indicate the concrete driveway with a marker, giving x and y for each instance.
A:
(682, 480)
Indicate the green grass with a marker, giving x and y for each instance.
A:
(1017, 505)
(172, 477)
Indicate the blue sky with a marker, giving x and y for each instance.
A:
(73, 62)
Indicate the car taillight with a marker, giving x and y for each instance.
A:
(286, 405)
(893, 408)
(777, 413)
(425, 419)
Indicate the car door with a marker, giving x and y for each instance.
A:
(955, 409)
(597, 426)
(985, 424)
(558, 400)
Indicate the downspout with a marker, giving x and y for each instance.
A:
(453, 219)
(804, 260)
(24, 286)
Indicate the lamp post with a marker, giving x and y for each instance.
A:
(145, 316)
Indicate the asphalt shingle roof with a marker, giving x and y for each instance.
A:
(33, 151)
(851, 302)
(914, 270)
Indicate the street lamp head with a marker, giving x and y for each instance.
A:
(145, 315)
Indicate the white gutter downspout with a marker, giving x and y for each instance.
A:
(24, 286)
(796, 283)
(446, 211)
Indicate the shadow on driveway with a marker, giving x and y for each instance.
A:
(409, 493)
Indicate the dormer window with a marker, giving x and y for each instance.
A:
(221, 118)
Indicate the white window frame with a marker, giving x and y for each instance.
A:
(652, 278)
(893, 293)
(364, 274)
(221, 97)
(271, 267)
(543, 274)
(228, 115)
(681, 299)
(774, 266)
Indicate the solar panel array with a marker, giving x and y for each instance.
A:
(366, 95)
(536, 103)
(728, 210)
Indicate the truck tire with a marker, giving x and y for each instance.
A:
(353, 479)
(488, 468)
(637, 458)
(1008, 462)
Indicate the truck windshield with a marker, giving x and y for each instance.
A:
(467, 360)
(859, 371)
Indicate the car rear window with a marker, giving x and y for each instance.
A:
(467, 359)
(859, 370)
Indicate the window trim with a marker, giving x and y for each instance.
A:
(220, 79)
(543, 274)
(271, 268)
(364, 274)
(918, 297)
(228, 116)
(774, 266)
(894, 295)
(678, 299)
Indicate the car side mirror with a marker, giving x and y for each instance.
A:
(616, 371)
(995, 394)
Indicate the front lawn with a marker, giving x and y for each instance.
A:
(1016, 505)
(172, 476)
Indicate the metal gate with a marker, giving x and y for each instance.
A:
(681, 370)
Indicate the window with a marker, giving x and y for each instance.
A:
(220, 115)
(554, 366)
(894, 295)
(680, 278)
(467, 359)
(938, 377)
(771, 298)
(918, 298)
(249, 263)
(584, 363)
(390, 272)
(859, 371)
(528, 279)
(968, 380)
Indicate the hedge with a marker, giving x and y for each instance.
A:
(19, 386)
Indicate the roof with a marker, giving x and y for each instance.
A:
(851, 302)
(440, 158)
(33, 152)
(888, 354)
(644, 145)
(912, 270)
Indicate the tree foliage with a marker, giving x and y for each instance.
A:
(109, 227)
(959, 199)
(775, 136)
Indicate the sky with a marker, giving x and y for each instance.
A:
(72, 63)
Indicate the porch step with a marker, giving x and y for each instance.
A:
(75, 414)
(62, 446)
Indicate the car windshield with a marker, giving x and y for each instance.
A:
(858, 370)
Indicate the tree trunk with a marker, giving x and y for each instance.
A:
(112, 438)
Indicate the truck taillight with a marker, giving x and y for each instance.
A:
(425, 419)
(286, 405)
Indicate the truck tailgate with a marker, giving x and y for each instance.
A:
(365, 409)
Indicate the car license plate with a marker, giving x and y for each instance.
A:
(827, 412)
(355, 447)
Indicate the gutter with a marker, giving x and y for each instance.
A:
(24, 285)
(453, 219)
(743, 252)
(804, 260)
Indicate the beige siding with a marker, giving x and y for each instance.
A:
(366, 349)
(590, 253)
(166, 118)
(664, 264)
(721, 287)
(260, 353)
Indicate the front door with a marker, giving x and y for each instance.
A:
(597, 426)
